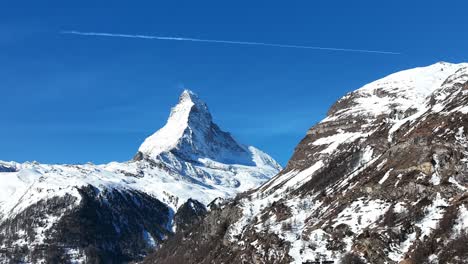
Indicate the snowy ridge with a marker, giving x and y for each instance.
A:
(398, 91)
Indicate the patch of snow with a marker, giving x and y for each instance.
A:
(420, 111)
(461, 187)
(433, 215)
(361, 213)
(149, 239)
(399, 208)
(336, 140)
(435, 178)
(461, 224)
(385, 177)
(398, 179)
(462, 109)
(304, 175)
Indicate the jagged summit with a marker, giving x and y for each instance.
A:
(190, 134)
(177, 124)
(193, 97)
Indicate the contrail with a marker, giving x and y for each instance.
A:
(101, 34)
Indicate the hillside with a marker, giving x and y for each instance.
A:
(382, 179)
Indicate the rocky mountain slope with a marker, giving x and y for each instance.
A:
(118, 212)
(382, 179)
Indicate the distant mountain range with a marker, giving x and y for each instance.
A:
(118, 212)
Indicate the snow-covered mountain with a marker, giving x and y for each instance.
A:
(382, 179)
(118, 212)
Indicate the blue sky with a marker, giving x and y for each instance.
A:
(73, 99)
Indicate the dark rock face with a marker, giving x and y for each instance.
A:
(205, 139)
(363, 186)
(138, 156)
(210, 245)
(7, 168)
(190, 213)
(209, 242)
(107, 226)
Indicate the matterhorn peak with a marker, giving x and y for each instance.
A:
(191, 135)
(177, 124)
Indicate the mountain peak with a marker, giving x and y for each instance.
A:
(188, 92)
(167, 138)
(395, 92)
(191, 135)
(187, 96)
